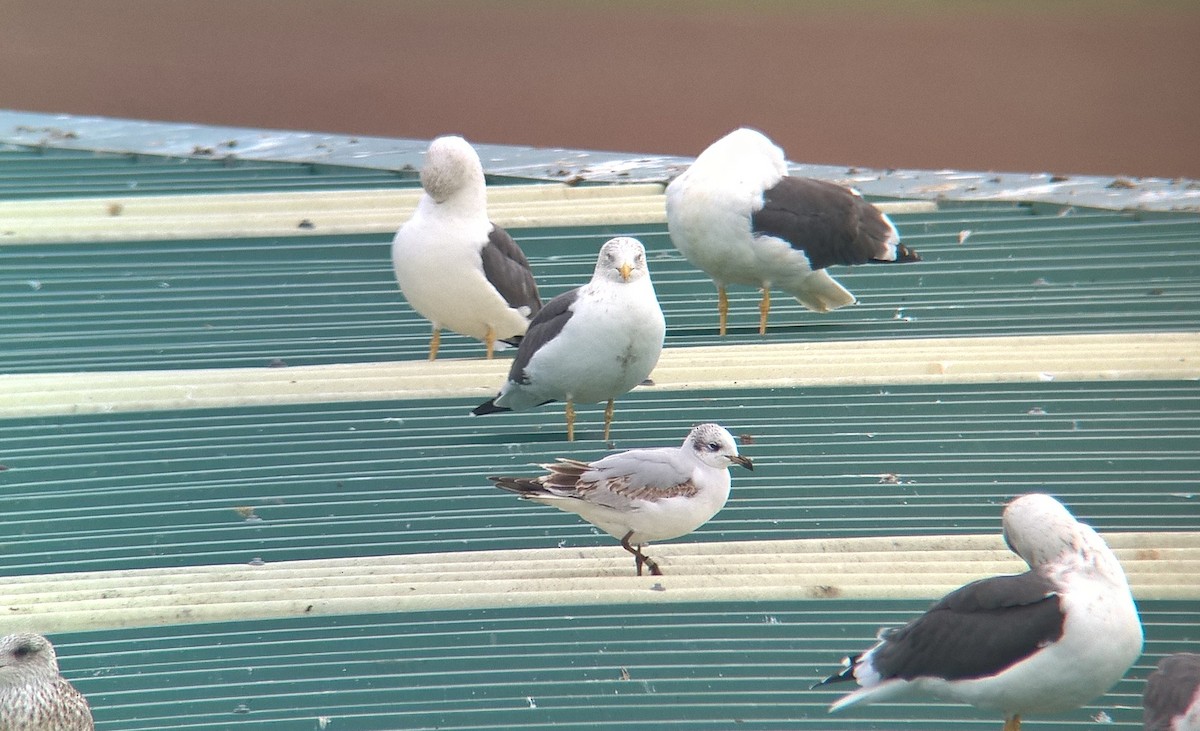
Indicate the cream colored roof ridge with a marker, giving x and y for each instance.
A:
(1123, 356)
(1160, 566)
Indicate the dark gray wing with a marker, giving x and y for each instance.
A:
(975, 631)
(1170, 690)
(545, 326)
(505, 266)
(828, 222)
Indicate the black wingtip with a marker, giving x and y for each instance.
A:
(846, 674)
(522, 487)
(488, 407)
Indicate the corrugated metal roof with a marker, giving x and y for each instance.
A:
(332, 299)
(744, 664)
(236, 518)
(47, 172)
(165, 488)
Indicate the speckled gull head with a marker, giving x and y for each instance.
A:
(451, 165)
(713, 445)
(622, 259)
(1041, 530)
(25, 657)
(33, 696)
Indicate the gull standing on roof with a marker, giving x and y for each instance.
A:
(1045, 641)
(33, 696)
(1172, 698)
(641, 495)
(456, 268)
(738, 215)
(590, 344)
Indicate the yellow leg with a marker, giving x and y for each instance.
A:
(570, 421)
(764, 308)
(490, 341)
(1013, 723)
(722, 307)
(435, 341)
(608, 415)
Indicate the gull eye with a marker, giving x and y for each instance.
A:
(714, 447)
(23, 651)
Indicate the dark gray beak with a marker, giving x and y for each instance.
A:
(743, 461)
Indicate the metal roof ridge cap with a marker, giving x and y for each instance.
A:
(1126, 356)
(175, 603)
(558, 164)
(932, 549)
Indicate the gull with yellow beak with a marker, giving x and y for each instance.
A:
(590, 344)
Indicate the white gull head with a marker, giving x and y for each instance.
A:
(451, 166)
(713, 445)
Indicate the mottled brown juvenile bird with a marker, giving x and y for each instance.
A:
(33, 696)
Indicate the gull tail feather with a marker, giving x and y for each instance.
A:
(820, 292)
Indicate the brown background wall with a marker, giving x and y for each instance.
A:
(1060, 86)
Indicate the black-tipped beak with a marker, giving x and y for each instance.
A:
(743, 461)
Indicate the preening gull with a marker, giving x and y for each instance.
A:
(1172, 697)
(641, 495)
(590, 344)
(1045, 641)
(455, 267)
(33, 696)
(737, 215)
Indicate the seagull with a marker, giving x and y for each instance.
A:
(1045, 641)
(590, 344)
(33, 696)
(641, 495)
(737, 215)
(1172, 697)
(456, 268)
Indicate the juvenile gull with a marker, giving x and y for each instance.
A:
(1172, 698)
(641, 495)
(456, 268)
(737, 215)
(1045, 641)
(33, 696)
(590, 344)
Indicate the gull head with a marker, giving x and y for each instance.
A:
(451, 165)
(741, 149)
(1040, 529)
(622, 259)
(715, 447)
(24, 657)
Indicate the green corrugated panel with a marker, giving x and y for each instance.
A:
(170, 488)
(687, 666)
(51, 173)
(99, 492)
(315, 299)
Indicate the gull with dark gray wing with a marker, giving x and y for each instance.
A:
(591, 344)
(737, 215)
(1045, 641)
(456, 268)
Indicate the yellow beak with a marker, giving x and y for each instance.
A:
(625, 269)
